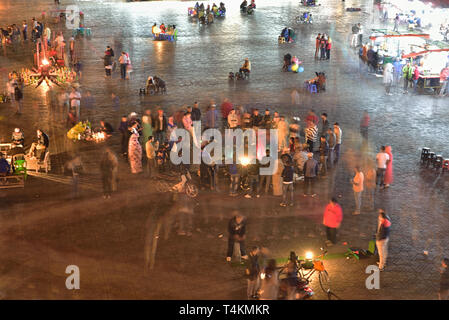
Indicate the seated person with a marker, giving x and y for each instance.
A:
(5, 168)
(222, 7)
(106, 128)
(163, 29)
(214, 8)
(287, 61)
(17, 139)
(155, 30)
(151, 83)
(285, 33)
(246, 67)
(253, 4)
(39, 147)
(243, 5)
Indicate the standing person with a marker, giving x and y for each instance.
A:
(338, 134)
(382, 159)
(415, 77)
(269, 287)
(123, 129)
(388, 178)
(76, 167)
(160, 126)
(283, 130)
(354, 39)
(237, 233)
(357, 187)
(147, 126)
(123, 60)
(265, 179)
(407, 74)
(323, 45)
(382, 237)
(108, 63)
(72, 49)
(18, 97)
(252, 273)
(253, 177)
(287, 184)
(324, 152)
(324, 124)
(311, 134)
(24, 30)
(364, 124)
(444, 80)
(225, 108)
(360, 35)
(397, 66)
(150, 149)
(108, 165)
(388, 78)
(333, 215)
(212, 117)
(328, 48)
(443, 293)
(332, 142)
(135, 151)
(196, 115)
(233, 120)
(310, 173)
(370, 183)
(317, 45)
(396, 23)
(233, 170)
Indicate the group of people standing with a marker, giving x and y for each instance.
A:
(323, 46)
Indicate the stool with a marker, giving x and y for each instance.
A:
(438, 162)
(312, 88)
(445, 165)
(424, 154)
(430, 158)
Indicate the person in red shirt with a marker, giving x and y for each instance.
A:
(333, 215)
(317, 44)
(415, 77)
(226, 108)
(311, 116)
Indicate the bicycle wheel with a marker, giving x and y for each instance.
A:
(324, 281)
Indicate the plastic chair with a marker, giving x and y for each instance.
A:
(424, 154)
(312, 88)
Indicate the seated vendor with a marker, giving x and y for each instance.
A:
(163, 29)
(5, 168)
(222, 7)
(17, 139)
(246, 67)
(39, 147)
(155, 30)
(214, 8)
(106, 127)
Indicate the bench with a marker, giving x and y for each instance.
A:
(12, 181)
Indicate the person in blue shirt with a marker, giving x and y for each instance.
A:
(5, 168)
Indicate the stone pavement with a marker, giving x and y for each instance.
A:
(42, 230)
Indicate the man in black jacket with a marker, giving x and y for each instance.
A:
(324, 152)
(252, 273)
(287, 183)
(253, 178)
(237, 233)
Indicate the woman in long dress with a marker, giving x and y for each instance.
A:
(388, 178)
(135, 153)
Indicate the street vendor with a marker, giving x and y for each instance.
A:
(106, 128)
(5, 168)
(39, 147)
(17, 139)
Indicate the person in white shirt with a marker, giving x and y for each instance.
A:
(338, 133)
(382, 158)
(357, 186)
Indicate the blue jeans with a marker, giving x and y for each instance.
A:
(285, 189)
(123, 70)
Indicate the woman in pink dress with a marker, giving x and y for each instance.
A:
(388, 179)
(135, 153)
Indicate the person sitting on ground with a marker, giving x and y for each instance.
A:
(246, 67)
(162, 27)
(39, 147)
(243, 5)
(5, 168)
(17, 139)
(287, 61)
(222, 7)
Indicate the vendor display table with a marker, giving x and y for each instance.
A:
(429, 81)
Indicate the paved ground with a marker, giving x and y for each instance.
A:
(43, 231)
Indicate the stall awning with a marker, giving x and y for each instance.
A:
(420, 35)
(415, 54)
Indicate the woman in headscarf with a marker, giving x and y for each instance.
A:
(388, 178)
(135, 152)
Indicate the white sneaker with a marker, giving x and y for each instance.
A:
(248, 196)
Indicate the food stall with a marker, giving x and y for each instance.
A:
(431, 62)
(394, 44)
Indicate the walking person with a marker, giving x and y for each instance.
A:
(355, 34)
(18, 97)
(287, 184)
(123, 60)
(332, 142)
(443, 293)
(396, 23)
(76, 167)
(160, 126)
(364, 125)
(382, 159)
(135, 151)
(333, 215)
(324, 152)
(108, 63)
(382, 237)
(317, 45)
(388, 178)
(328, 48)
(24, 30)
(357, 187)
(388, 78)
(108, 165)
(407, 74)
(252, 273)
(311, 134)
(237, 233)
